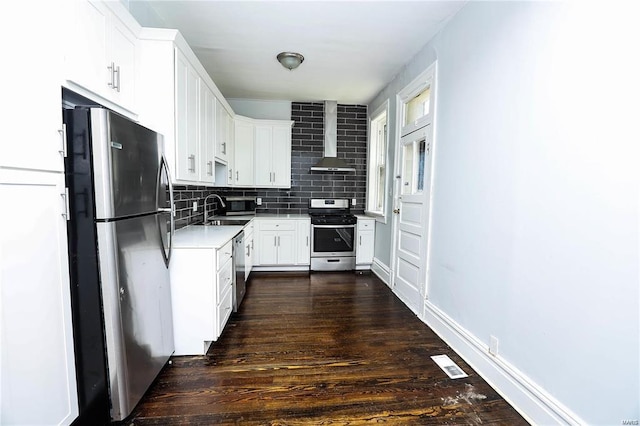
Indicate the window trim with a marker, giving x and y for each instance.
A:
(379, 216)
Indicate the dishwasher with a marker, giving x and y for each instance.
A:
(239, 285)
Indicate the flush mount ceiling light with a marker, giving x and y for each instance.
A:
(290, 60)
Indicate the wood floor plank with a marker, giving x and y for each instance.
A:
(322, 349)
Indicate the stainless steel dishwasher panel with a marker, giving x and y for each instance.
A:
(239, 284)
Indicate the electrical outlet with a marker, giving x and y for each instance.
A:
(493, 346)
(353, 201)
(195, 206)
(258, 201)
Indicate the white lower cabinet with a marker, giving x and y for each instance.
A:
(35, 303)
(304, 242)
(201, 293)
(249, 249)
(281, 242)
(365, 243)
(276, 242)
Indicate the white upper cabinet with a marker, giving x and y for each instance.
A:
(207, 116)
(32, 136)
(244, 145)
(101, 53)
(187, 120)
(273, 154)
(178, 99)
(224, 124)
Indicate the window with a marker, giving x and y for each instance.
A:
(412, 172)
(377, 163)
(418, 107)
(415, 103)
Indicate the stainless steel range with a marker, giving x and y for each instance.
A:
(333, 230)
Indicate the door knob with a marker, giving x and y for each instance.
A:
(396, 211)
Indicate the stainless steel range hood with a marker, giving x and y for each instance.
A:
(330, 162)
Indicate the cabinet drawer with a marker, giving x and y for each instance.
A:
(272, 225)
(224, 310)
(248, 228)
(364, 225)
(225, 278)
(223, 254)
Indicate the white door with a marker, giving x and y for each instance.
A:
(411, 218)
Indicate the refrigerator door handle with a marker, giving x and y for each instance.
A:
(164, 167)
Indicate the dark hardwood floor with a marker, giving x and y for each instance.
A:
(330, 349)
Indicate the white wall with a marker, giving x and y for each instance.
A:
(536, 193)
(262, 109)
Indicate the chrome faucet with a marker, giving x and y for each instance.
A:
(205, 204)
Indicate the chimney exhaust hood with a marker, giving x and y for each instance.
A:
(330, 162)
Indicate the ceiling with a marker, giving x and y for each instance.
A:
(352, 49)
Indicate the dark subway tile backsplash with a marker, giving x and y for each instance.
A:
(307, 136)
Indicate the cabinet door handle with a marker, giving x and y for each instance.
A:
(307, 241)
(230, 174)
(278, 241)
(360, 239)
(237, 176)
(65, 204)
(224, 147)
(111, 83)
(210, 168)
(63, 136)
(275, 241)
(192, 163)
(116, 74)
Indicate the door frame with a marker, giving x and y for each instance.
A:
(427, 77)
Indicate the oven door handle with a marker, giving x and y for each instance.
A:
(333, 226)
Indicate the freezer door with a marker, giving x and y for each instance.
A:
(126, 160)
(137, 308)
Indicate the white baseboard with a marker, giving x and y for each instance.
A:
(280, 268)
(535, 404)
(382, 271)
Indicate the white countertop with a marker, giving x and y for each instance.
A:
(364, 216)
(264, 216)
(198, 236)
(282, 216)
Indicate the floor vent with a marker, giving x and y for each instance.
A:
(449, 367)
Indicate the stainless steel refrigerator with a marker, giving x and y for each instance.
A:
(120, 232)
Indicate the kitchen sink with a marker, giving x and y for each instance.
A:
(222, 222)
